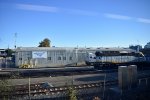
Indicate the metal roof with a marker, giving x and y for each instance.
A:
(73, 48)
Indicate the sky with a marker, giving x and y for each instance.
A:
(72, 23)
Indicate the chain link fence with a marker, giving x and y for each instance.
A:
(7, 62)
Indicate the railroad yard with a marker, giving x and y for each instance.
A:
(53, 83)
(75, 50)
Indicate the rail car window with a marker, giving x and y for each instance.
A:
(124, 53)
(98, 53)
(116, 52)
(111, 53)
(131, 54)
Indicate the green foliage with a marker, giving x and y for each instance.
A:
(9, 52)
(5, 89)
(45, 43)
(3, 85)
(72, 93)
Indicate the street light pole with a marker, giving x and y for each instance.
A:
(72, 80)
(29, 89)
(76, 56)
(104, 86)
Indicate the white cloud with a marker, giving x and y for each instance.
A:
(37, 8)
(143, 20)
(81, 12)
(55, 9)
(78, 12)
(123, 17)
(116, 16)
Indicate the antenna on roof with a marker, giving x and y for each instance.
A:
(138, 46)
(15, 39)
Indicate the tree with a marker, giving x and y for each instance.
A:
(45, 43)
(9, 52)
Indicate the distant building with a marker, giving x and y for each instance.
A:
(147, 46)
(135, 47)
(3, 53)
(146, 51)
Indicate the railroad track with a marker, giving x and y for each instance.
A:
(37, 89)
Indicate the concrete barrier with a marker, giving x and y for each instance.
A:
(123, 77)
(127, 77)
(132, 76)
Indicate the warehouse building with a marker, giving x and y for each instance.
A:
(50, 56)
